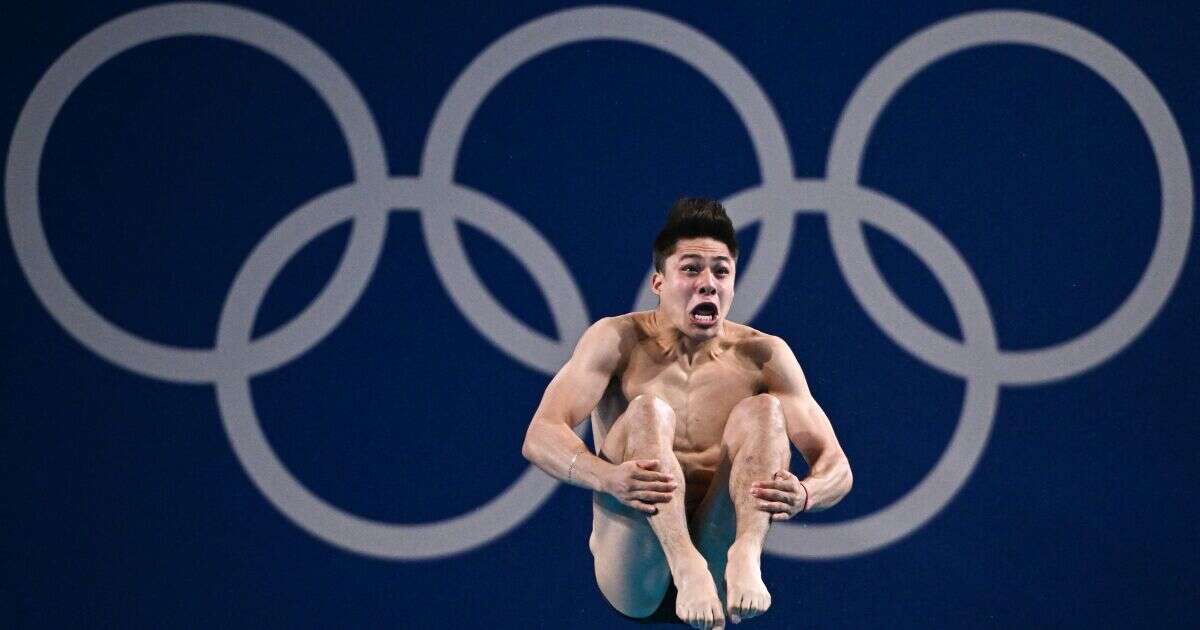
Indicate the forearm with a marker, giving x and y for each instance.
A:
(829, 480)
(556, 450)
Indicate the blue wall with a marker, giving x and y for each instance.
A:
(1023, 432)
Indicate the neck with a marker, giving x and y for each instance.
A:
(673, 340)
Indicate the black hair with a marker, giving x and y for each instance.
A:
(694, 217)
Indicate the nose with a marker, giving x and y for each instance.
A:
(708, 284)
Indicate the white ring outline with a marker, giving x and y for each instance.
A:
(945, 38)
(307, 510)
(636, 26)
(952, 470)
(149, 358)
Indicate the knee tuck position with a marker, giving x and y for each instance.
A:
(694, 418)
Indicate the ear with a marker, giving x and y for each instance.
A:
(656, 282)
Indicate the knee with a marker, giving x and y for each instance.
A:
(763, 411)
(652, 412)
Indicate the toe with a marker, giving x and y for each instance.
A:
(761, 605)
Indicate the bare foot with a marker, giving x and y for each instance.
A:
(697, 603)
(748, 596)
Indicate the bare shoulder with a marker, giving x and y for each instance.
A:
(636, 327)
(780, 370)
(628, 327)
(611, 338)
(755, 345)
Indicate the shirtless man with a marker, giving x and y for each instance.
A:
(692, 416)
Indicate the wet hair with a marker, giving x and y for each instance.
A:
(694, 217)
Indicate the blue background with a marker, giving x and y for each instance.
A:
(125, 506)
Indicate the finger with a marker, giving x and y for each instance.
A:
(780, 516)
(645, 508)
(656, 486)
(784, 475)
(652, 497)
(772, 506)
(776, 495)
(648, 464)
(790, 480)
(645, 475)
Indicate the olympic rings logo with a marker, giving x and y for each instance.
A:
(441, 202)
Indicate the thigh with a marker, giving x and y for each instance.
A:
(631, 569)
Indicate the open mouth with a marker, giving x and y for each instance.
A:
(704, 314)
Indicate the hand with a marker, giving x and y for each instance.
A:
(783, 497)
(639, 484)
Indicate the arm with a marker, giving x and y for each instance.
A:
(550, 442)
(829, 477)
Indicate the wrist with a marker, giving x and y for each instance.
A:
(572, 467)
(602, 475)
(588, 472)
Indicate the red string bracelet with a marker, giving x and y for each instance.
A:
(805, 508)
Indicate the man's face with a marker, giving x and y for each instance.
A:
(695, 288)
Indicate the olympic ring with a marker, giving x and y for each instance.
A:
(640, 27)
(440, 202)
(1170, 155)
(33, 125)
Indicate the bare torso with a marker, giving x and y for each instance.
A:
(702, 391)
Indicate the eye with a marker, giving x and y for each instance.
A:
(722, 271)
(689, 268)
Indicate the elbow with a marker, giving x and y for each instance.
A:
(847, 476)
(528, 448)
